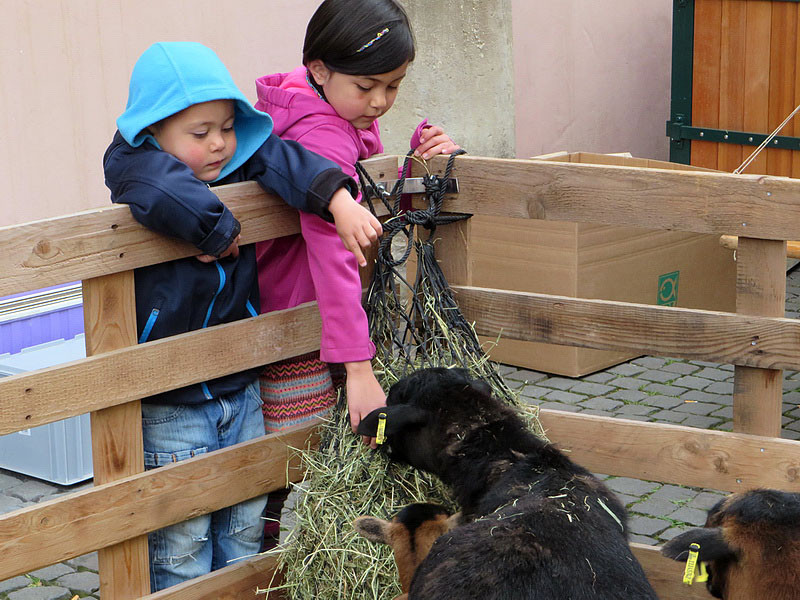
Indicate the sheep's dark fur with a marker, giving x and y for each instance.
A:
(411, 533)
(751, 542)
(539, 527)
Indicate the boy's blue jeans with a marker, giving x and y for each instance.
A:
(176, 432)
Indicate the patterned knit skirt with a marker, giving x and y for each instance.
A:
(295, 390)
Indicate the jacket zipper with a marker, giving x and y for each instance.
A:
(222, 280)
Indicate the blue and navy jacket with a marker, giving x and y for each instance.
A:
(164, 195)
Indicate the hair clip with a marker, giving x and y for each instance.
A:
(373, 40)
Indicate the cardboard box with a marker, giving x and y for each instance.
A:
(595, 261)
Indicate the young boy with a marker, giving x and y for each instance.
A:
(187, 126)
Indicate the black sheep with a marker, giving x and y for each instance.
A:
(537, 527)
(751, 542)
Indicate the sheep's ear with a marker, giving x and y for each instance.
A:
(481, 387)
(712, 545)
(398, 417)
(373, 528)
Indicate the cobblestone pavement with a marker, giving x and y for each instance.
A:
(665, 390)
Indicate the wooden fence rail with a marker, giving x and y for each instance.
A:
(102, 247)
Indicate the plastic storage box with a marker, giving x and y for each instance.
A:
(59, 452)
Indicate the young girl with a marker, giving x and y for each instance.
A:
(355, 55)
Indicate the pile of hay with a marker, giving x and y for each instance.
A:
(413, 325)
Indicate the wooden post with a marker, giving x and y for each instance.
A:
(760, 290)
(109, 311)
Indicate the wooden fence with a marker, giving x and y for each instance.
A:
(101, 248)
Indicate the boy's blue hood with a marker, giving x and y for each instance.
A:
(171, 76)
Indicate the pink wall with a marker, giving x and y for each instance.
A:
(592, 75)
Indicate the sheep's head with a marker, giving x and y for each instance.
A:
(426, 411)
(751, 542)
(410, 534)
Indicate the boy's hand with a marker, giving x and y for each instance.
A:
(432, 141)
(357, 227)
(232, 250)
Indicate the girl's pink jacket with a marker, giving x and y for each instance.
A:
(315, 265)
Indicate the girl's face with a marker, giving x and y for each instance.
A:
(358, 99)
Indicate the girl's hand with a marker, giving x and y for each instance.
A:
(432, 141)
(364, 394)
(232, 250)
(357, 227)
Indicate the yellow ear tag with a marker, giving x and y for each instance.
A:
(702, 575)
(380, 437)
(691, 563)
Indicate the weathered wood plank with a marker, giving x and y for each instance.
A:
(757, 206)
(117, 450)
(127, 374)
(109, 240)
(760, 290)
(674, 454)
(655, 330)
(666, 576)
(66, 527)
(705, 78)
(237, 581)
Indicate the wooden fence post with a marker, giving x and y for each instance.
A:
(760, 290)
(109, 311)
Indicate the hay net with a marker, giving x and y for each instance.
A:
(414, 324)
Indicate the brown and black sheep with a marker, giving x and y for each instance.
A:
(411, 533)
(537, 526)
(751, 543)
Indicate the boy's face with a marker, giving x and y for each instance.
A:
(200, 136)
(359, 99)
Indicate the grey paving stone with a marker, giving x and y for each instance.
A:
(723, 413)
(628, 369)
(662, 401)
(724, 426)
(87, 561)
(628, 383)
(698, 396)
(514, 384)
(629, 396)
(794, 413)
(506, 369)
(714, 373)
(534, 391)
(643, 539)
(789, 434)
(700, 422)
(52, 572)
(527, 375)
(790, 385)
(647, 525)
(671, 533)
(693, 516)
(705, 500)
(654, 507)
(558, 383)
(85, 582)
(723, 388)
(664, 390)
(603, 404)
(793, 426)
(591, 389)
(792, 397)
(565, 397)
(628, 485)
(692, 382)
(668, 416)
(675, 493)
(649, 362)
(41, 593)
(696, 408)
(601, 377)
(9, 503)
(32, 490)
(14, 583)
(704, 363)
(597, 412)
(560, 406)
(657, 376)
(633, 410)
(681, 368)
(627, 499)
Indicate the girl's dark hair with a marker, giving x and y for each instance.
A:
(340, 32)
